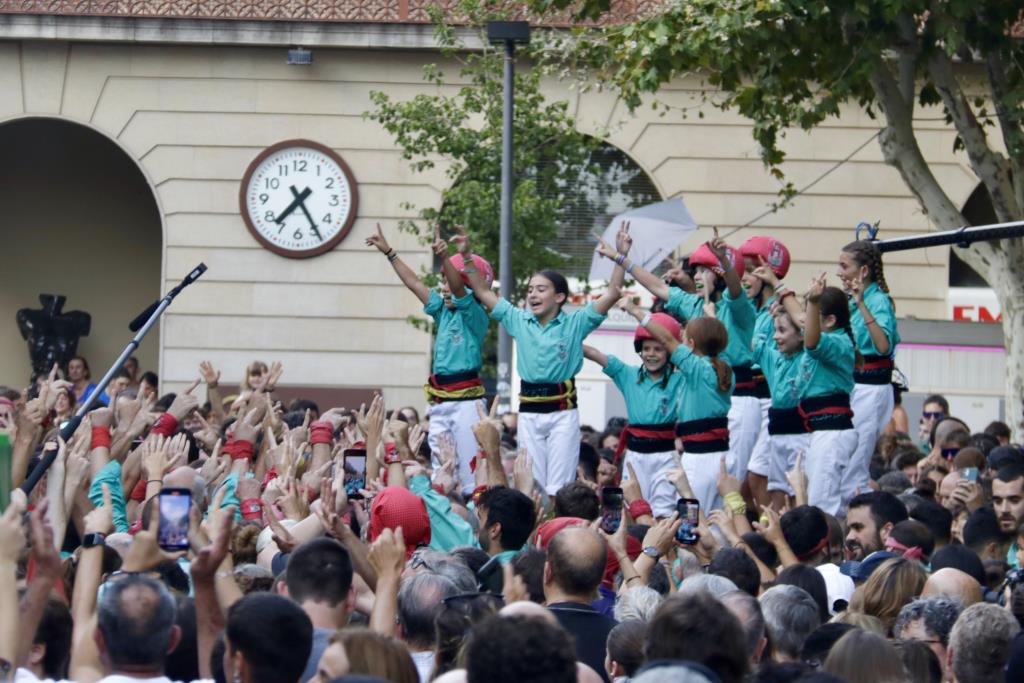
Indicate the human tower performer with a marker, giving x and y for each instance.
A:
(737, 368)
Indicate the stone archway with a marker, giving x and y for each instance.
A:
(78, 218)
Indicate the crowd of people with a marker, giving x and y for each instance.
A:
(761, 514)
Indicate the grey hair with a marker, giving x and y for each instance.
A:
(937, 614)
(689, 564)
(450, 568)
(790, 615)
(419, 602)
(136, 632)
(637, 603)
(716, 585)
(677, 673)
(980, 642)
(748, 610)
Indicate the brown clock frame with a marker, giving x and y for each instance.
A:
(329, 244)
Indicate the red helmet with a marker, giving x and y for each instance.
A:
(774, 253)
(703, 256)
(481, 264)
(663, 319)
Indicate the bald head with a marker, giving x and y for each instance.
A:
(953, 583)
(576, 562)
(525, 608)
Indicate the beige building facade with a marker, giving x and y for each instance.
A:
(186, 104)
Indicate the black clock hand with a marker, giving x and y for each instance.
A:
(302, 204)
(297, 202)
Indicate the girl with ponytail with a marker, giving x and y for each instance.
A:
(825, 383)
(873, 327)
(705, 391)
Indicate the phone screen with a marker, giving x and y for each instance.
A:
(969, 473)
(174, 508)
(355, 471)
(611, 512)
(689, 514)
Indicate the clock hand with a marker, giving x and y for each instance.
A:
(302, 204)
(299, 198)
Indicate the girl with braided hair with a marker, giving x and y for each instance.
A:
(873, 321)
(826, 380)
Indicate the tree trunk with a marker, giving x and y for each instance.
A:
(1004, 277)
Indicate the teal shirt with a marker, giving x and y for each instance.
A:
(828, 367)
(737, 315)
(878, 303)
(110, 474)
(648, 401)
(447, 529)
(1011, 556)
(781, 371)
(460, 333)
(551, 353)
(764, 323)
(699, 397)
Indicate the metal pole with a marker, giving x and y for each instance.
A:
(961, 237)
(504, 387)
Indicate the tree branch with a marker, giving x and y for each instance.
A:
(1013, 137)
(990, 166)
(909, 50)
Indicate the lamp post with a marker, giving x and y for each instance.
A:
(509, 33)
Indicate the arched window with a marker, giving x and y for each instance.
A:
(612, 183)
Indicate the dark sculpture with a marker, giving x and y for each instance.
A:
(52, 335)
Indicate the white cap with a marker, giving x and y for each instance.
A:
(838, 585)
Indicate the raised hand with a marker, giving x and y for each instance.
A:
(209, 374)
(604, 249)
(387, 554)
(817, 288)
(856, 288)
(439, 246)
(726, 482)
(720, 249)
(461, 241)
(623, 241)
(631, 487)
(488, 430)
(378, 241)
(523, 471)
(184, 403)
(765, 273)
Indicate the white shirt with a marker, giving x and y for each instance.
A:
(424, 662)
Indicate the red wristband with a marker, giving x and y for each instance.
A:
(241, 450)
(138, 493)
(477, 492)
(639, 508)
(391, 454)
(101, 437)
(252, 509)
(268, 477)
(165, 426)
(321, 431)
(438, 488)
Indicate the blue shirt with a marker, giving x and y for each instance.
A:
(880, 306)
(550, 353)
(781, 371)
(699, 397)
(648, 401)
(737, 315)
(460, 333)
(828, 367)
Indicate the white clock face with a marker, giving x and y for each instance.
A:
(299, 199)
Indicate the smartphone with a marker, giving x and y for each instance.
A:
(689, 513)
(355, 471)
(969, 473)
(611, 509)
(174, 505)
(490, 578)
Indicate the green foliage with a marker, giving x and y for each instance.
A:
(461, 123)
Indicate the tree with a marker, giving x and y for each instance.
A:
(463, 125)
(792, 63)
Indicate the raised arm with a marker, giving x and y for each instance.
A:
(451, 274)
(483, 293)
(729, 274)
(812, 322)
(405, 273)
(651, 282)
(590, 353)
(657, 331)
(877, 332)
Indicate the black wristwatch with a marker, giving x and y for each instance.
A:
(92, 540)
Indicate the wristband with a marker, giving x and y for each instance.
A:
(438, 488)
(392, 256)
(620, 259)
(391, 454)
(735, 501)
(270, 475)
(321, 432)
(779, 286)
(477, 492)
(212, 386)
(390, 251)
(241, 450)
(869, 322)
(251, 509)
(646, 319)
(138, 493)
(165, 426)
(630, 271)
(783, 295)
(101, 437)
(639, 508)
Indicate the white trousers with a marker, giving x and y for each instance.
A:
(702, 472)
(744, 427)
(872, 406)
(457, 417)
(784, 449)
(827, 459)
(553, 441)
(760, 457)
(652, 470)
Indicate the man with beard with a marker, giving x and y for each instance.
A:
(506, 520)
(870, 517)
(1008, 502)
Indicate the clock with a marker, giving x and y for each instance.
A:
(298, 198)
